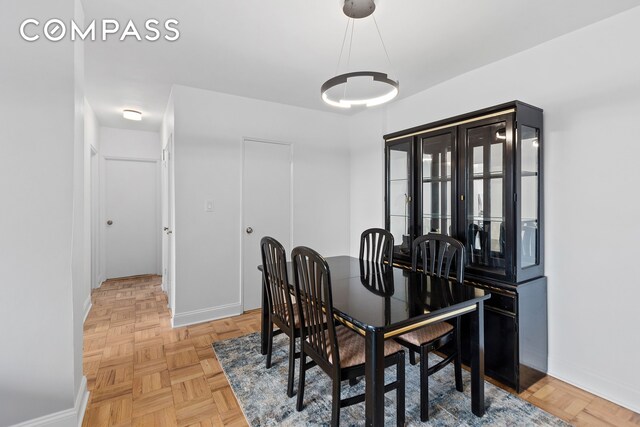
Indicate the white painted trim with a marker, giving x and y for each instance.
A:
(82, 399)
(87, 308)
(66, 418)
(132, 159)
(206, 314)
(625, 395)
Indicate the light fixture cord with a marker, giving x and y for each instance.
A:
(353, 26)
(344, 39)
(382, 41)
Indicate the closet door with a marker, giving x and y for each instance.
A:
(486, 200)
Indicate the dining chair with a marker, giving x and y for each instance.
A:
(282, 311)
(438, 253)
(376, 245)
(338, 351)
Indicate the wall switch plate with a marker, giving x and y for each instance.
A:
(208, 206)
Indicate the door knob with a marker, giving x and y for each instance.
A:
(109, 222)
(249, 230)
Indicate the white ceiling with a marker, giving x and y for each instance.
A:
(283, 50)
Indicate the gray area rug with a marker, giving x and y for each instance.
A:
(262, 393)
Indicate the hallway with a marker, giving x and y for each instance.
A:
(140, 372)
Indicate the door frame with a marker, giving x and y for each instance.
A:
(242, 197)
(94, 215)
(168, 202)
(103, 208)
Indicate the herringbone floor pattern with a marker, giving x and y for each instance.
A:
(143, 373)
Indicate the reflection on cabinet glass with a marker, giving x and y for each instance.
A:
(485, 204)
(399, 194)
(529, 176)
(437, 184)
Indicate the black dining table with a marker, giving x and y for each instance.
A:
(381, 302)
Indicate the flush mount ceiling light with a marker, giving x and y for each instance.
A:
(132, 115)
(368, 88)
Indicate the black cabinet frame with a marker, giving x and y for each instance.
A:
(516, 319)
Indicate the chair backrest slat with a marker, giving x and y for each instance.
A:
(376, 244)
(274, 265)
(438, 254)
(312, 284)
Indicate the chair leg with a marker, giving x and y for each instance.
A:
(457, 363)
(269, 342)
(335, 403)
(303, 361)
(292, 365)
(400, 415)
(424, 385)
(412, 357)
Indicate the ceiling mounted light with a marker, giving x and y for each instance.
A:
(368, 88)
(132, 115)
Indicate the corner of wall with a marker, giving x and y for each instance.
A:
(69, 417)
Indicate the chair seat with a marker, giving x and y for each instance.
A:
(427, 334)
(351, 347)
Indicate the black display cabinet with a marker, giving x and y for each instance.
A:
(478, 177)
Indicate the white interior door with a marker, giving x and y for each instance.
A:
(131, 217)
(266, 196)
(167, 220)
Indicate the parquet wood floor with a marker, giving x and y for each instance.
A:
(140, 372)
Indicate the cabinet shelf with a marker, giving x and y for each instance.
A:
(489, 175)
(436, 179)
(486, 218)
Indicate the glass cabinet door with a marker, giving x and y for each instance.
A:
(399, 215)
(529, 152)
(437, 166)
(484, 203)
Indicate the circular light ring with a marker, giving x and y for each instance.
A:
(369, 102)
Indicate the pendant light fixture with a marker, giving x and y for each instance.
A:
(368, 88)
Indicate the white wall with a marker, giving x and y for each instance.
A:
(80, 268)
(588, 84)
(41, 169)
(366, 154)
(208, 135)
(129, 143)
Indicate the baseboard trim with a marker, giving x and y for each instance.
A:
(68, 417)
(82, 399)
(87, 308)
(621, 394)
(206, 314)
